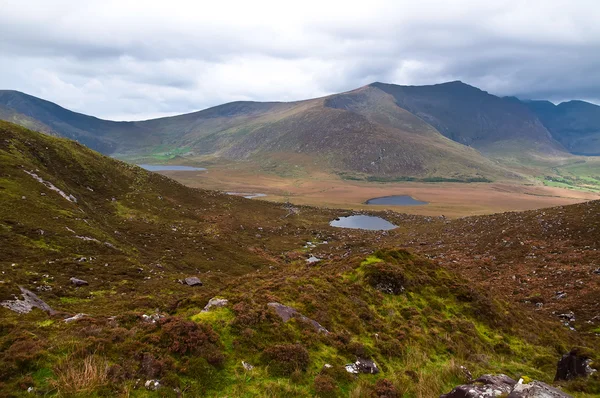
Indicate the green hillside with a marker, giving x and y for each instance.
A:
(68, 212)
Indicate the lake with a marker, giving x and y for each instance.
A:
(396, 200)
(167, 167)
(369, 223)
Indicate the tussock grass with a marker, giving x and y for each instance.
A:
(76, 376)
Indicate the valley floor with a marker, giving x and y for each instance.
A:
(322, 189)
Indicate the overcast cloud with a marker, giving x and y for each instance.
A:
(131, 60)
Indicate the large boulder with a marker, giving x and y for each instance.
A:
(574, 364)
(192, 281)
(537, 389)
(487, 386)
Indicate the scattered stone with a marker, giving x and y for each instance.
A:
(573, 365)
(537, 389)
(30, 390)
(78, 282)
(560, 295)
(568, 316)
(215, 303)
(247, 366)
(75, 318)
(362, 365)
(596, 271)
(152, 385)
(192, 281)
(312, 259)
(152, 318)
(286, 313)
(30, 301)
(487, 386)
(327, 366)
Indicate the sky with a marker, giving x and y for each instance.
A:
(134, 60)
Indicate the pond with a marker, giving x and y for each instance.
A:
(369, 223)
(168, 167)
(396, 200)
(248, 195)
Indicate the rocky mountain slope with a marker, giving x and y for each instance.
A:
(143, 287)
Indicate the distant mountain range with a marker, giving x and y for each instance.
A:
(452, 130)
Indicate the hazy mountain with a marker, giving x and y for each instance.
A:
(575, 124)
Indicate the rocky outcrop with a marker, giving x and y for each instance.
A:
(30, 301)
(574, 364)
(490, 386)
(286, 313)
(537, 389)
(487, 386)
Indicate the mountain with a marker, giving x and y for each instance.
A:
(127, 325)
(450, 130)
(575, 124)
(475, 118)
(376, 138)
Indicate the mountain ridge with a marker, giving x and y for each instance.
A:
(345, 132)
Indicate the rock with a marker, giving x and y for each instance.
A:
(537, 389)
(247, 366)
(215, 303)
(312, 259)
(362, 366)
(572, 365)
(487, 386)
(75, 318)
(192, 281)
(78, 282)
(286, 313)
(30, 301)
(152, 385)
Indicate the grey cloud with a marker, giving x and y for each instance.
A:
(119, 62)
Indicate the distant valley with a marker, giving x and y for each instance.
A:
(382, 133)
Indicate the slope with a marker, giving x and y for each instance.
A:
(466, 114)
(66, 211)
(575, 124)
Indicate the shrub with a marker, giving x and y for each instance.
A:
(284, 359)
(385, 389)
(385, 277)
(325, 386)
(186, 337)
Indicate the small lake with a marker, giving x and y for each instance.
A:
(167, 167)
(369, 223)
(396, 200)
(248, 195)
